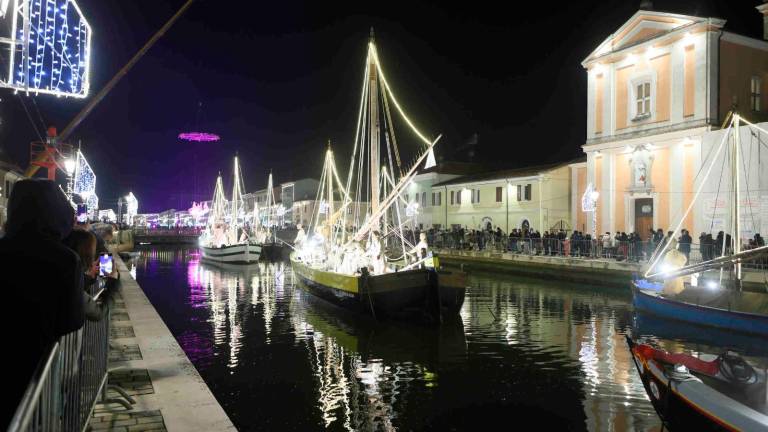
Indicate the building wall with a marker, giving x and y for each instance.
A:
(677, 68)
(550, 202)
(738, 64)
(303, 212)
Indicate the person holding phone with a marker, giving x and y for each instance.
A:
(84, 244)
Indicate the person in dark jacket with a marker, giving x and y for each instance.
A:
(83, 243)
(40, 281)
(685, 244)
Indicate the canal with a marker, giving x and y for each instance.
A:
(522, 351)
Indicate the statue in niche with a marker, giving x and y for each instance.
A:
(640, 166)
(641, 179)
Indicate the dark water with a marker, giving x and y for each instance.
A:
(522, 351)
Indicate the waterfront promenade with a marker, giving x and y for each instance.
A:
(147, 362)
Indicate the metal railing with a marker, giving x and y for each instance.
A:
(69, 380)
(630, 251)
(184, 231)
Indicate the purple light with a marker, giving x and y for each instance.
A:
(199, 137)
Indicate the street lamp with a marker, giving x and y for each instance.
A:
(69, 165)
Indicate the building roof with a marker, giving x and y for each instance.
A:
(453, 167)
(510, 173)
(643, 27)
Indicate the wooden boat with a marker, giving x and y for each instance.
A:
(724, 309)
(392, 289)
(216, 246)
(688, 393)
(714, 304)
(421, 294)
(234, 254)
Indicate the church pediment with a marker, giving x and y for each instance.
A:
(643, 26)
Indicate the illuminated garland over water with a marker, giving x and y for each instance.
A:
(57, 55)
(199, 137)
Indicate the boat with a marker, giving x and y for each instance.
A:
(647, 326)
(725, 309)
(356, 254)
(265, 225)
(223, 241)
(708, 293)
(725, 393)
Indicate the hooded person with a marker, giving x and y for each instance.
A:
(673, 260)
(41, 280)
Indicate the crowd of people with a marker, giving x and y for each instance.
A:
(619, 245)
(50, 273)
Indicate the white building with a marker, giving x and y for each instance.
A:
(524, 198)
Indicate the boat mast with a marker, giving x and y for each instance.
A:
(217, 209)
(329, 189)
(736, 209)
(235, 199)
(373, 106)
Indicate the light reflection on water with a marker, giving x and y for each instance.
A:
(277, 357)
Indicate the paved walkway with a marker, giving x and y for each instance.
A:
(146, 361)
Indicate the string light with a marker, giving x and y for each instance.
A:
(392, 95)
(54, 58)
(85, 179)
(199, 137)
(131, 207)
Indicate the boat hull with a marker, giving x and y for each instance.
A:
(274, 251)
(687, 403)
(235, 254)
(650, 301)
(419, 294)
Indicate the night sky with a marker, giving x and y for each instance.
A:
(277, 80)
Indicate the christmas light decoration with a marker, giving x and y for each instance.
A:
(108, 215)
(50, 48)
(131, 207)
(199, 137)
(85, 179)
(93, 206)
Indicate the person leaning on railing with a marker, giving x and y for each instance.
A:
(84, 244)
(40, 278)
(105, 233)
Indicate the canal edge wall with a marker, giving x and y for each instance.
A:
(593, 272)
(180, 394)
(601, 272)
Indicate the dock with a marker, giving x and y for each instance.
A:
(146, 361)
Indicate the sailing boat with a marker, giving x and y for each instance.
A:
(265, 225)
(356, 254)
(666, 294)
(225, 239)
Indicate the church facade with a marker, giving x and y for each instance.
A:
(659, 90)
